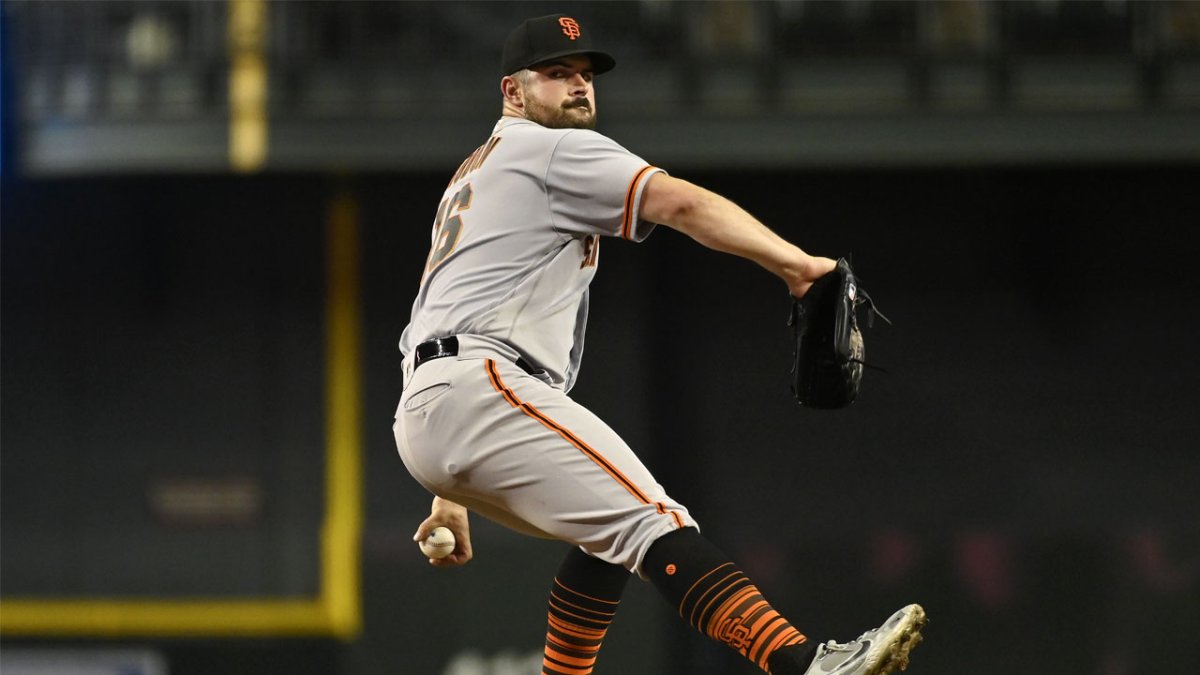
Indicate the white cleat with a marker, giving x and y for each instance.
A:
(876, 652)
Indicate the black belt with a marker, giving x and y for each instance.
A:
(438, 348)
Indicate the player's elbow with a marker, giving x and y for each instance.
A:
(670, 201)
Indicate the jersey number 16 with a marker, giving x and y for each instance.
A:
(447, 228)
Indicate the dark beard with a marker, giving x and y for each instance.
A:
(558, 118)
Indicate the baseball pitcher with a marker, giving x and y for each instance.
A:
(493, 348)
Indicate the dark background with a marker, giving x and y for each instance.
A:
(1015, 181)
(1026, 470)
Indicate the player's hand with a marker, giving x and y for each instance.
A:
(445, 513)
(812, 269)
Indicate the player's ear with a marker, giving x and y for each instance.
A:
(511, 90)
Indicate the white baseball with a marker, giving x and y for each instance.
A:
(439, 543)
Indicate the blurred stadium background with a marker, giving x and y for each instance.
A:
(213, 218)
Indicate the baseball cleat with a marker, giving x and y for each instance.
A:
(876, 652)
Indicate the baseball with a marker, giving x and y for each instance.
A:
(439, 543)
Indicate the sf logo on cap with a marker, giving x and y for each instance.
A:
(570, 27)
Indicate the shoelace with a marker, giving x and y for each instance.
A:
(872, 366)
(872, 311)
(846, 646)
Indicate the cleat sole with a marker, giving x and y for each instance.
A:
(896, 656)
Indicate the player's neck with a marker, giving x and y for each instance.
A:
(510, 110)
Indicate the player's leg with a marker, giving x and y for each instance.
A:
(569, 474)
(583, 601)
(565, 472)
(713, 596)
(717, 599)
(526, 455)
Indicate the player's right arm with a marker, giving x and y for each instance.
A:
(721, 225)
(445, 513)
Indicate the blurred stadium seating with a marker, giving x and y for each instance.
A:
(345, 77)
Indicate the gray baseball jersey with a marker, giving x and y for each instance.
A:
(515, 244)
(516, 241)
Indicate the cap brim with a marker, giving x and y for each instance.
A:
(602, 62)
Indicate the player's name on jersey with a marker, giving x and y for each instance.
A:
(476, 159)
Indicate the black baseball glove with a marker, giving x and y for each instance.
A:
(828, 362)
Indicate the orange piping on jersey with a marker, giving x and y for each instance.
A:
(499, 386)
(536, 414)
(678, 519)
(629, 217)
(571, 438)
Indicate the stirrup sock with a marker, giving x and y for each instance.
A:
(716, 598)
(583, 601)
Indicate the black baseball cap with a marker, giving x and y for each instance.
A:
(549, 37)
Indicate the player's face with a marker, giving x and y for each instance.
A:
(559, 94)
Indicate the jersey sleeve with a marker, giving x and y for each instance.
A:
(594, 186)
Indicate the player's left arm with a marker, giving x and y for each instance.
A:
(721, 225)
(445, 513)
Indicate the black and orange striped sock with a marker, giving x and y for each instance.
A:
(718, 600)
(583, 601)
